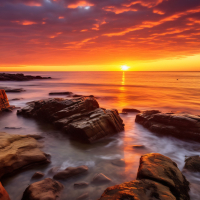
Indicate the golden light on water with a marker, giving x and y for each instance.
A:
(124, 68)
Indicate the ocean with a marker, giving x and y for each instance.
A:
(165, 91)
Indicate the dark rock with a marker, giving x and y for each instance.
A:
(183, 126)
(19, 77)
(81, 184)
(16, 99)
(14, 90)
(138, 147)
(77, 95)
(18, 152)
(100, 179)
(81, 118)
(70, 171)
(3, 193)
(37, 175)
(158, 178)
(13, 127)
(43, 190)
(192, 164)
(83, 196)
(126, 110)
(60, 93)
(119, 162)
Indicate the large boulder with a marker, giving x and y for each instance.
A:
(47, 189)
(18, 152)
(4, 103)
(183, 126)
(19, 77)
(3, 193)
(158, 178)
(81, 118)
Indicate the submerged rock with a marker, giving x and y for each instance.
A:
(37, 175)
(47, 189)
(18, 152)
(100, 179)
(70, 171)
(158, 178)
(19, 77)
(60, 93)
(192, 164)
(81, 118)
(126, 110)
(83, 196)
(82, 184)
(3, 193)
(183, 126)
(119, 162)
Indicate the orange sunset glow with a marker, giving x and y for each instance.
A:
(93, 35)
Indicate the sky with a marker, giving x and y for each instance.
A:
(98, 35)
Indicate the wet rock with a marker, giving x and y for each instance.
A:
(183, 126)
(4, 103)
(158, 178)
(119, 162)
(37, 175)
(18, 152)
(14, 90)
(60, 93)
(82, 184)
(43, 190)
(19, 77)
(192, 164)
(163, 170)
(16, 99)
(138, 147)
(70, 171)
(138, 189)
(100, 179)
(13, 127)
(83, 196)
(3, 193)
(77, 95)
(80, 118)
(133, 110)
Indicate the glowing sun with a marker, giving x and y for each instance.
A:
(124, 67)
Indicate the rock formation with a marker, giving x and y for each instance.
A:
(158, 178)
(81, 118)
(70, 171)
(183, 126)
(43, 190)
(3, 193)
(4, 103)
(19, 77)
(18, 152)
(192, 164)
(131, 110)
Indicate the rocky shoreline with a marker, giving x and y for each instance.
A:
(82, 119)
(19, 77)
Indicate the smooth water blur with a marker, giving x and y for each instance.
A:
(166, 91)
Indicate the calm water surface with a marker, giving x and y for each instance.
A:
(166, 91)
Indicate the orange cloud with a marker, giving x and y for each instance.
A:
(80, 4)
(32, 3)
(118, 10)
(25, 22)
